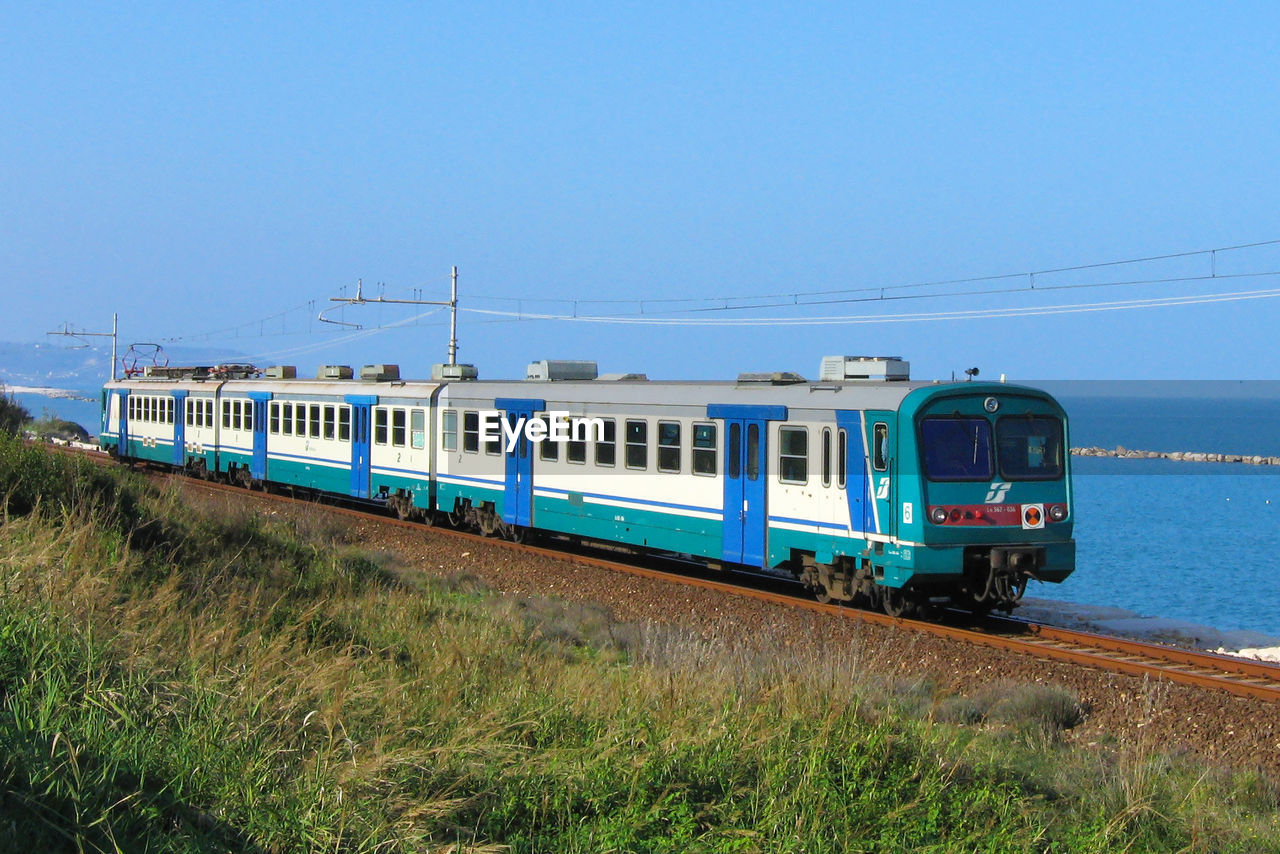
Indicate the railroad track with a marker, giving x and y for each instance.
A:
(1242, 677)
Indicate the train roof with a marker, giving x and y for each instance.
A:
(797, 394)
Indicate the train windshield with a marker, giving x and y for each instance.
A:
(956, 448)
(1030, 447)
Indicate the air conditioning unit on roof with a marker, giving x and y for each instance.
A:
(883, 368)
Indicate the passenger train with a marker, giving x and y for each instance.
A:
(863, 485)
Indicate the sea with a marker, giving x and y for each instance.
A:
(1183, 541)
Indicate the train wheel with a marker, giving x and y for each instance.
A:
(896, 603)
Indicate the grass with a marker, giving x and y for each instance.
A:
(176, 682)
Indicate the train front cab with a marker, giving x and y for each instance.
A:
(983, 492)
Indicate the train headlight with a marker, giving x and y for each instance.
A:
(938, 515)
(1057, 512)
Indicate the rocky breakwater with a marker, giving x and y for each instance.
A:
(1121, 452)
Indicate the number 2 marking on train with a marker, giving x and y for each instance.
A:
(882, 488)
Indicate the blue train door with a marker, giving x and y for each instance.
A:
(360, 447)
(746, 455)
(517, 499)
(852, 444)
(258, 465)
(882, 479)
(122, 398)
(179, 427)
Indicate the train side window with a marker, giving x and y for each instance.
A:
(576, 448)
(208, 412)
(286, 419)
(826, 456)
(842, 450)
(313, 422)
(226, 415)
(607, 443)
(397, 427)
(248, 415)
(169, 405)
(449, 430)
(274, 427)
(493, 446)
(471, 432)
(637, 444)
(793, 455)
(704, 449)
(330, 422)
(380, 426)
(237, 412)
(669, 446)
(753, 451)
(187, 410)
(547, 449)
(418, 429)
(880, 454)
(344, 424)
(735, 451)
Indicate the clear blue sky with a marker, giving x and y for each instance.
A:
(200, 167)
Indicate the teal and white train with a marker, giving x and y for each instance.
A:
(862, 484)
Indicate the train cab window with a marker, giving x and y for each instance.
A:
(607, 443)
(330, 422)
(826, 456)
(1029, 447)
(704, 449)
(286, 419)
(344, 424)
(449, 430)
(793, 455)
(880, 447)
(398, 428)
(842, 450)
(956, 448)
(379, 426)
(753, 451)
(669, 446)
(637, 444)
(418, 429)
(471, 432)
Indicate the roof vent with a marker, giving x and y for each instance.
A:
(281, 372)
(623, 378)
(882, 368)
(772, 378)
(454, 372)
(380, 373)
(334, 372)
(561, 369)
